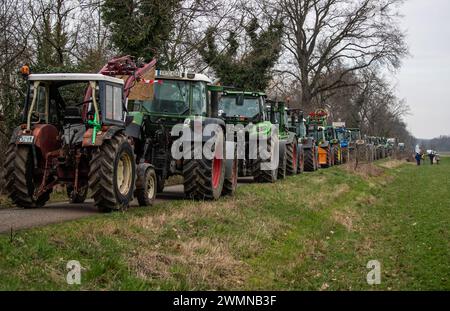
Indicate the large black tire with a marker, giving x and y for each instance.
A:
(231, 175)
(282, 166)
(301, 160)
(336, 160)
(19, 178)
(309, 160)
(112, 174)
(77, 197)
(292, 158)
(146, 186)
(264, 176)
(203, 178)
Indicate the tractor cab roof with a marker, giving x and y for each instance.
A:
(76, 77)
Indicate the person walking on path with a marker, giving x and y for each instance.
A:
(418, 158)
(431, 156)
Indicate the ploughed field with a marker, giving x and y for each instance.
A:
(315, 231)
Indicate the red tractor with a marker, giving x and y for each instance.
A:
(72, 133)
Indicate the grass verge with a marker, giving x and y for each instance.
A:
(309, 232)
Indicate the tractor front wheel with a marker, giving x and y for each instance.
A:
(146, 187)
(112, 174)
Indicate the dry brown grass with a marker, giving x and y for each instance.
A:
(364, 170)
(392, 164)
(347, 218)
(326, 196)
(204, 261)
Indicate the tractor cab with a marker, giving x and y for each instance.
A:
(174, 95)
(278, 114)
(242, 107)
(317, 126)
(58, 103)
(297, 122)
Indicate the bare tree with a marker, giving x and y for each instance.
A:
(321, 35)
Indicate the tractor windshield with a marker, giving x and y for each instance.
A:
(170, 96)
(316, 132)
(230, 107)
(173, 97)
(55, 102)
(341, 135)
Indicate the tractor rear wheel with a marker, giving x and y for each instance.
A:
(292, 158)
(231, 175)
(203, 178)
(112, 174)
(146, 192)
(309, 160)
(77, 197)
(301, 161)
(265, 176)
(21, 183)
(282, 168)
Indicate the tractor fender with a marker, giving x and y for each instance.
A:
(104, 134)
(140, 174)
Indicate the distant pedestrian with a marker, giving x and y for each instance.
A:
(418, 158)
(437, 158)
(431, 156)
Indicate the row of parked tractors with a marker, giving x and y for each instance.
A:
(111, 135)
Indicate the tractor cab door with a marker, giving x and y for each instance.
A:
(112, 108)
(199, 99)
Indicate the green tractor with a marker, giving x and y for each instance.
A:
(289, 147)
(331, 135)
(308, 151)
(170, 122)
(245, 111)
(316, 128)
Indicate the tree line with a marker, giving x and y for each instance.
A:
(330, 54)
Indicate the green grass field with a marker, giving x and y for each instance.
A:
(309, 232)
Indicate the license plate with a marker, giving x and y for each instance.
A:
(25, 139)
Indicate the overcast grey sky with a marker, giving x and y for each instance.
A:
(424, 80)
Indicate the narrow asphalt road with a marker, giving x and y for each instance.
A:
(18, 218)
